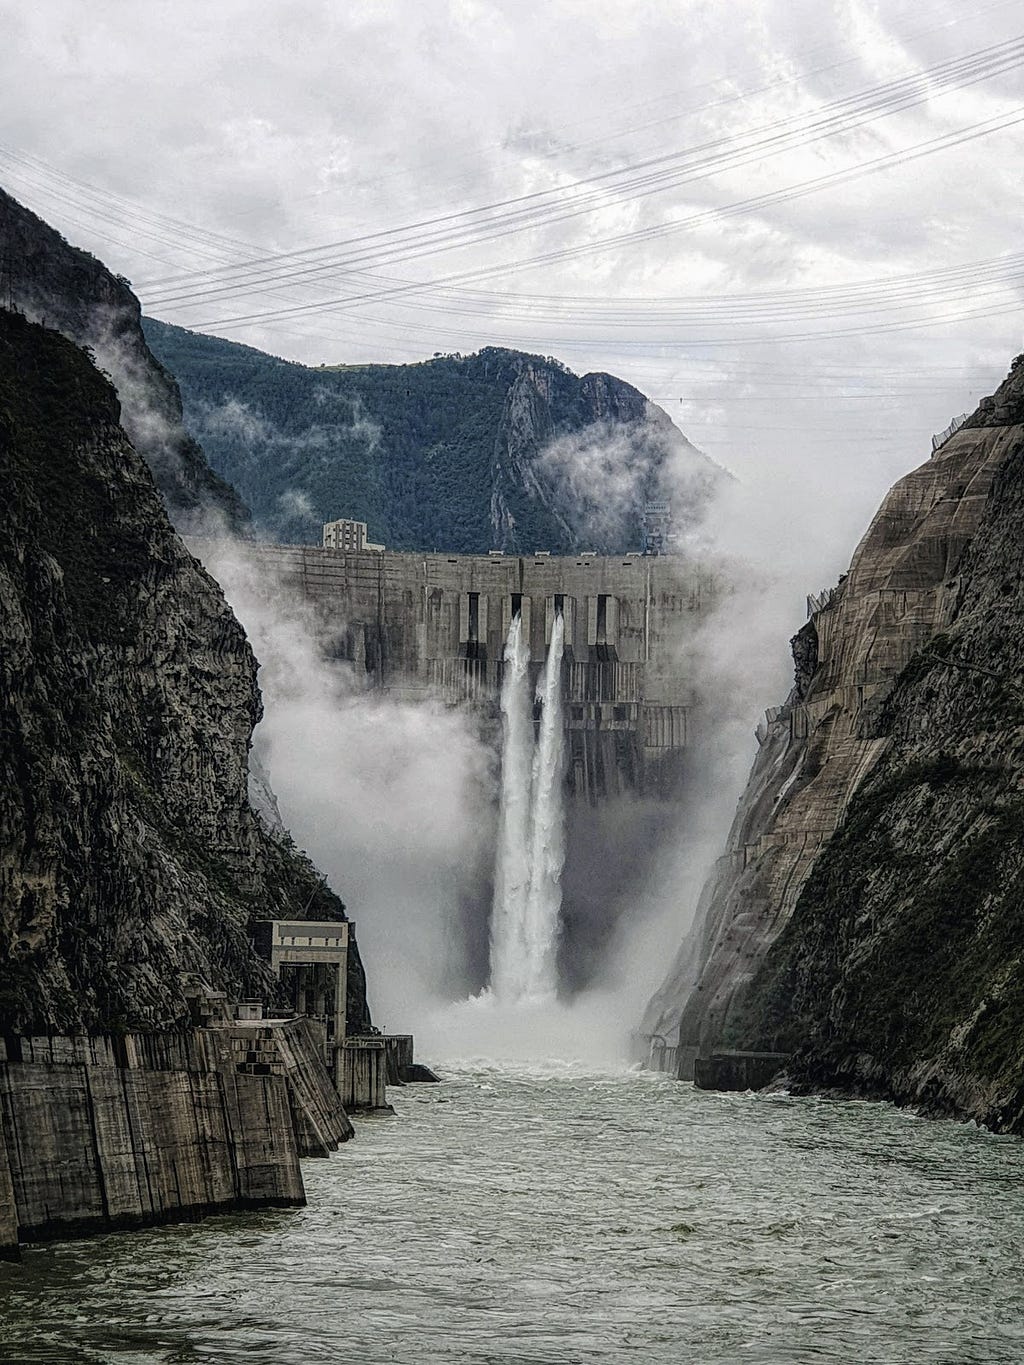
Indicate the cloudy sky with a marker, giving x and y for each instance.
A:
(793, 223)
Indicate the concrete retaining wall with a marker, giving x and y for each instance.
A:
(294, 1049)
(402, 1067)
(8, 1209)
(362, 1073)
(738, 1070)
(104, 1133)
(399, 1049)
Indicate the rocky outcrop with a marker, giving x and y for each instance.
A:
(132, 863)
(590, 453)
(66, 289)
(873, 847)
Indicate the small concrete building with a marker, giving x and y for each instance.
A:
(311, 959)
(659, 533)
(348, 535)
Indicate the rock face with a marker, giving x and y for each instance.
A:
(866, 916)
(132, 861)
(464, 454)
(70, 291)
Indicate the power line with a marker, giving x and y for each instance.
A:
(705, 218)
(544, 207)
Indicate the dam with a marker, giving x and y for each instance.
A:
(412, 629)
(435, 625)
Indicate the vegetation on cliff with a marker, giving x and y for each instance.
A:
(459, 453)
(132, 863)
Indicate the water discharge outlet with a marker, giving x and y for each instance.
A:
(531, 828)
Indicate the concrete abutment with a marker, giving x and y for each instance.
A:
(103, 1133)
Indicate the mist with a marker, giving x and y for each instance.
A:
(603, 475)
(393, 801)
(254, 451)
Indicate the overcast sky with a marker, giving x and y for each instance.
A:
(176, 138)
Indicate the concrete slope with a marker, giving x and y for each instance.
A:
(818, 748)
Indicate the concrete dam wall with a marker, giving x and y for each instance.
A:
(419, 627)
(435, 624)
(98, 1133)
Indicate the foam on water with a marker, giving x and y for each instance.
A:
(543, 1214)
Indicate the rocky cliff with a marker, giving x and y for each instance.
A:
(56, 284)
(866, 915)
(131, 860)
(499, 450)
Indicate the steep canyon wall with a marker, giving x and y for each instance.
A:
(863, 915)
(132, 862)
(66, 289)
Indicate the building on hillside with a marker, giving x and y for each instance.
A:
(345, 534)
(658, 529)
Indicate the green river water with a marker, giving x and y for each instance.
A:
(556, 1214)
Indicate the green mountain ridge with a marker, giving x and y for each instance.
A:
(497, 450)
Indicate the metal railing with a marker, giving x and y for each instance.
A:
(951, 430)
(818, 601)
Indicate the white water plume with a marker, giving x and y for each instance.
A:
(512, 867)
(547, 830)
(531, 834)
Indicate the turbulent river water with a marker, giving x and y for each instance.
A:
(552, 1214)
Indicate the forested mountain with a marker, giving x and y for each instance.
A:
(498, 450)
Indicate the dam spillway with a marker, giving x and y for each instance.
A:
(435, 625)
(423, 628)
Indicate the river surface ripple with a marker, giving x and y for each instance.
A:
(557, 1215)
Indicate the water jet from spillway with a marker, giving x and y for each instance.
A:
(547, 830)
(531, 827)
(512, 865)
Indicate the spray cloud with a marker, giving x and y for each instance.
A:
(392, 800)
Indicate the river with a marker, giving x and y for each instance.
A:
(555, 1214)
